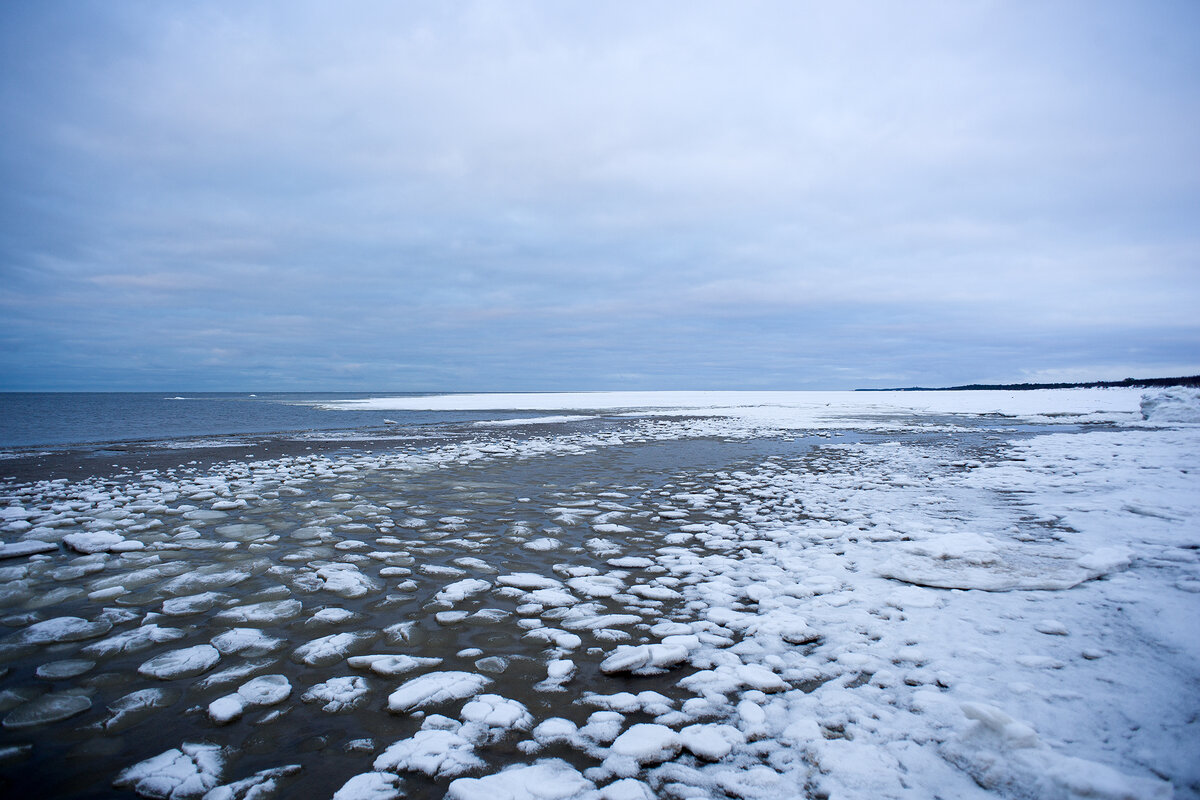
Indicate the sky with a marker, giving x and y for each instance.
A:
(541, 196)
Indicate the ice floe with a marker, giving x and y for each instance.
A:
(434, 688)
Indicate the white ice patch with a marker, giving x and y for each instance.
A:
(62, 629)
(456, 592)
(186, 773)
(489, 718)
(647, 744)
(329, 650)
(433, 688)
(264, 613)
(392, 665)
(338, 695)
(436, 753)
(370, 786)
(644, 659)
(245, 642)
(550, 779)
(1173, 405)
(186, 663)
(1006, 755)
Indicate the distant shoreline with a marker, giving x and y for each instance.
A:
(1192, 380)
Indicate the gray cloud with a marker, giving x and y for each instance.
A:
(520, 195)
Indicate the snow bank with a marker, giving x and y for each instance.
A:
(1173, 405)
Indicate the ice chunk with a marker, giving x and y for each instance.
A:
(62, 629)
(93, 541)
(1172, 405)
(558, 672)
(331, 616)
(627, 702)
(205, 580)
(644, 659)
(339, 694)
(392, 665)
(265, 613)
(554, 730)
(550, 779)
(435, 687)
(596, 585)
(132, 641)
(246, 642)
(329, 650)
(437, 753)
(346, 580)
(370, 786)
(528, 581)
(243, 531)
(601, 621)
(60, 670)
(186, 663)
(760, 678)
(559, 638)
(226, 709)
(46, 709)
(186, 773)
(259, 786)
(602, 726)
(491, 717)
(647, 743)
(627, 789)
(711, 742)
(543, 544)
(191, 604)
(265, 690)
(27, 547)
(125, 709)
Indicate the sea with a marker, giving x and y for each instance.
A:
(63, 419)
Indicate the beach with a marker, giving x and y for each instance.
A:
(615, 595)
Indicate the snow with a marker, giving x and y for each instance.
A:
(505, 423)
(798, 409)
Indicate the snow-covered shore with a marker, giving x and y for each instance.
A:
(936, 603)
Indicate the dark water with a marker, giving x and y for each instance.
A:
(64, 418)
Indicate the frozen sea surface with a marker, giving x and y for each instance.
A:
(766, 601)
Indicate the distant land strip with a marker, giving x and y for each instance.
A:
(1192, 380)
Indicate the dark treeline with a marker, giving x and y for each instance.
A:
(1193, 380)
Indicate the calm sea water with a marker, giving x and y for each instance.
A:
(65, 418)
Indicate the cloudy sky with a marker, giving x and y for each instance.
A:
(561, 195)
